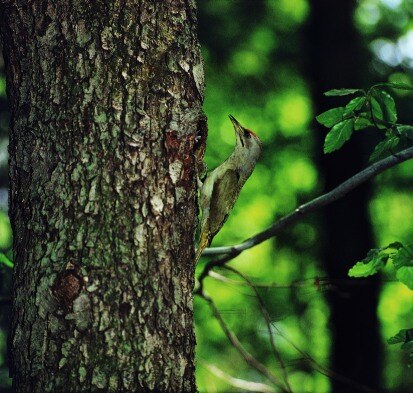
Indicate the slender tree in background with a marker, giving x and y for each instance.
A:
(105, 99)
(335, 61)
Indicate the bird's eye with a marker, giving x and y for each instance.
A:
(247, 134)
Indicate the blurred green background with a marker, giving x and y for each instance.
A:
(267, 62)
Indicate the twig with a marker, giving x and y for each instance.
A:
(324, 370)
(318, 367)
(267, 319)
(249, 359)
(232, 251)
(286, 221)
(257, 387)
(209, 266)
(325, 199)
(318, 283)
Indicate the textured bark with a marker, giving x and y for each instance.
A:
(105, 99)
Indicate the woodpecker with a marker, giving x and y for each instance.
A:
(221, 188)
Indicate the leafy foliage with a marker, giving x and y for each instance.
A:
(406, 131)
(355, 105)
(403, 262)
(375, 260)
(338, 135)
(4, 260)
(404, 337)
(331, 117)
(401, 255)
(383, 108)
(385, 146)
(373, 108)
(342, 92)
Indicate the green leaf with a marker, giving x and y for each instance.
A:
(405, 131)
(342, 92)
(375, 260)
(405, 276)
(409, 348)
(6, 261)
(361, 122)
(404, 336)
(384, 148)
(403, 262)
(383, 108)
(354, 105)
(368, 268)
(338, 135)
(404, 257)
(331, 117)
(396, 85)
(377, 113)
(395, 245)
(361, 269)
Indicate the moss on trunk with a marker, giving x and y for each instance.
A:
(106, 99)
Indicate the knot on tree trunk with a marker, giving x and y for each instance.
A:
(67, 287)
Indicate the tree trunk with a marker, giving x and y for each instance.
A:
(105, 99)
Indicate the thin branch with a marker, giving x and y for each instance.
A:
(208, 267)
(232, 251)
(306, 357)
(320, 284)
(267, 319)
(316, 282)
(323, 200)
(249, 359)
(286, 221)
(258, 387)
(317, 366)
(324, 370)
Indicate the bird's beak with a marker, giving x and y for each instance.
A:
(239, 129)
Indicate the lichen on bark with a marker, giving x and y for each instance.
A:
(106, 100)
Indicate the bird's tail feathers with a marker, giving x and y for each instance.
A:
(203, 243)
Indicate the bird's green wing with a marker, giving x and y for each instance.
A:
(224, 195)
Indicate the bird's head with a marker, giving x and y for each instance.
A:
(246, 139)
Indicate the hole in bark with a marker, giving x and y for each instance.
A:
(67, 287)
(124, 310)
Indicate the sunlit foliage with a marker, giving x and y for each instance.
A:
(253, 79)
